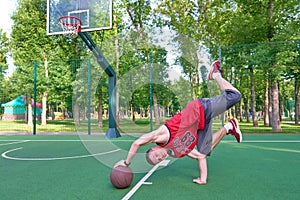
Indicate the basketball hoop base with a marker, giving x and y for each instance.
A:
(112, 133)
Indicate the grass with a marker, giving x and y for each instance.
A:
(285, 126)
(52, 126)
(127, 126)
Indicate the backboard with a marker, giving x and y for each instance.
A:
(94, 14)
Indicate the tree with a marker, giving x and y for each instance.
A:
(189, 20)
(4, 48)
(246, 22)
(141, 16)
(31, 44)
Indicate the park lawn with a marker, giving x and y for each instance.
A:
(287, 127)
(127, 126)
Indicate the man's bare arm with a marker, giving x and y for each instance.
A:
(202, 166)
(154, 136)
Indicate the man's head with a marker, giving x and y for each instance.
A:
(156, 154)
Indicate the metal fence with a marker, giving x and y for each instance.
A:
(71, 96)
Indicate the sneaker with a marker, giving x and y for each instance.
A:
(215, 68)
(235, 131)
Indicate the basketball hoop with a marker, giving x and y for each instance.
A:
(71, 25)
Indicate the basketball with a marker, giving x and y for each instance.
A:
(121, 177)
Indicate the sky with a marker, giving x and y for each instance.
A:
(6, 10)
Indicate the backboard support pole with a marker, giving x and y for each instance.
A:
(112, 131)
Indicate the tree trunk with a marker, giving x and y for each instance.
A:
(270, 103)
(156, 113)
(241, 111)
(247, 110)
(132, 108)
(266, 106)
(281, 106)
(163, 114)
(52, 114)
(275, 108)
(76, 114)
(44, 109)
(44, 98)
(270, 32)
(254, 117)
(242, 100)
(193, 83)
(132, 113)
(29, 111)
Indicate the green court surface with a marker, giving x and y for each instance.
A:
(78, 167)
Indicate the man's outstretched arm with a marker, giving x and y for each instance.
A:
(202, 166)
(154, 136)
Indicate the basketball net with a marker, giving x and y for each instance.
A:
(71, 26)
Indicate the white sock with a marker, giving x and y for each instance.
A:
(228, 127)
(214, 75)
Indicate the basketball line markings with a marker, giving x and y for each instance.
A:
(266, 141)
(143, 180)
(14, 142)
(4, 155)
(223, 141)
(273, 148)
(66, 141)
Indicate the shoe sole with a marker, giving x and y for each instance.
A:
(212, 70)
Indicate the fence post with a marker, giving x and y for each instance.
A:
(34, 97)
(220, 59)
(299, 52)
(151, 100)
(89, 96)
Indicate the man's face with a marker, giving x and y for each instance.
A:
(157, 154)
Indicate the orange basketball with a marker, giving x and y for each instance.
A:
(121, 177)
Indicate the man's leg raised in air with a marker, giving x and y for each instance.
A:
(230, 95)
(214, 73)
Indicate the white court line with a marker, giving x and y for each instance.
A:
(263, 141)
(142, 181)
(67, 140)
(4, 155)
(223, 141)
(15, 142)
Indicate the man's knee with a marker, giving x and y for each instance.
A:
(232, 97)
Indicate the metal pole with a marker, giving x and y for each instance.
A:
(89, 96)
(151, 100)
(112, 131)
(299, 52)
(34, 97)
(220, 59)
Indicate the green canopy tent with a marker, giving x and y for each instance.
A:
(16, 109)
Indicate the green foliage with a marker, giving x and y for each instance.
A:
(4, 48)
(31, 44)
(134, 44)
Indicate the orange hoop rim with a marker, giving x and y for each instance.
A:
(76, 19)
